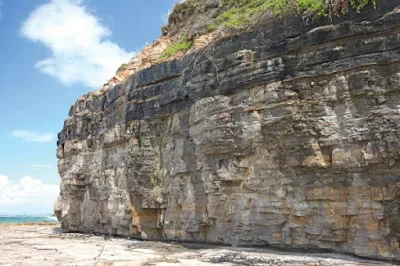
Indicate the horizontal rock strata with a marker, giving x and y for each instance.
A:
(288, 136)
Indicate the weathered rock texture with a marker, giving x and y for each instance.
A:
(288, 136)
(44, 245)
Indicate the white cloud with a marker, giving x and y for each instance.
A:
(28, 196)
(42, 166)
(32, 136)
(1, 3)
(81, 49)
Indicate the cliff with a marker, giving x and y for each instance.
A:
(287, 135)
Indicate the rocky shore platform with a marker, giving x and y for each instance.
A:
(46, 244)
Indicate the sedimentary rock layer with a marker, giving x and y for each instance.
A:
(287, 136)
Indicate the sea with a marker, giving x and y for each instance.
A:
(26, 219)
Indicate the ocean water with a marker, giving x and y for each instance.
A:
(26, 219)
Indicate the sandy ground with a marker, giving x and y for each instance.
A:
(46, 245)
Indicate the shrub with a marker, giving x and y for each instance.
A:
(182, 45)
(242, 14)
(185, 9)
(360, 4)
(122, 67)
(210, 27)
(314, 8)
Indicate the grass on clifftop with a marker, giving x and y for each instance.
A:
(240, 14)
(193, 18)
(244, 11)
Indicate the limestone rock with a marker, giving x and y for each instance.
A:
(285, 136)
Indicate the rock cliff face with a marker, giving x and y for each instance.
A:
(287, 136)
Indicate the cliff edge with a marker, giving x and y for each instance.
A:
(285, 135)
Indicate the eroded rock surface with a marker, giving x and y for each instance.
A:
(46, 246)
(287, 136)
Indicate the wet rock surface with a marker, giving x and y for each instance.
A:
(287, 136)
(47, 246)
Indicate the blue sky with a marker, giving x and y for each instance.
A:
(52, 52)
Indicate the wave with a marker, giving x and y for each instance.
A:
(26, 218)
(40, 215)
(52, 218)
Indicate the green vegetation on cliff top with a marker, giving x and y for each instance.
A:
(196, 17)
(238, 14)
(243, 12)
